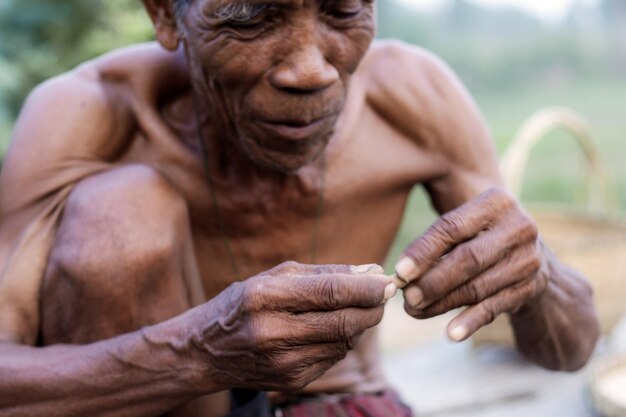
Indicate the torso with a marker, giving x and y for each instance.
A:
(370, 170)
(142, 113)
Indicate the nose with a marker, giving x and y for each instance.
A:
(305, 70)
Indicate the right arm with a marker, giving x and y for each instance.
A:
(278, 331)
(126, 375)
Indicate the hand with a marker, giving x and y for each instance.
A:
(485, 255)
(284, 328)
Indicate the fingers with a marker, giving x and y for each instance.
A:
(304, 369)
(292, 268)
(474, 317)
(451, 229)
(508, 272)
(319, 292)
(317, 327)
(515, 242)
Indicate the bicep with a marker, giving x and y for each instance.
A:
(423, 98)
(454, 129)
(465, 143)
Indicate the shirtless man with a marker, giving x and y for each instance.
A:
(145, 193)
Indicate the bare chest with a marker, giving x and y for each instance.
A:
(351, 217)
(329, 226)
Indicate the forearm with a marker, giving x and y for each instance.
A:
(559, 329)
(146, 373)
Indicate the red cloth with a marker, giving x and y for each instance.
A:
(386, 404)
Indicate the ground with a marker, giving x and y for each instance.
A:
(439, 378)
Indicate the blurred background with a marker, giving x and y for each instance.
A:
(515, 56)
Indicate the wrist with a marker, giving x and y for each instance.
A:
(176, 346)
(536, 304)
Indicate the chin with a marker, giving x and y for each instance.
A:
(282, 161)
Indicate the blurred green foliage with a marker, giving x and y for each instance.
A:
(511, 61)
(42, 38)
(503, 49)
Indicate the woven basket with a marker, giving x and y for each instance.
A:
(607, 387)
(590, 239)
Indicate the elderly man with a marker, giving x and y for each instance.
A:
(145, 193)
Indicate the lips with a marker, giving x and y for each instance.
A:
(297, 129)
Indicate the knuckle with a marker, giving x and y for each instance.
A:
(412, 311)
(343, 329)
(472, 259)
(254, 294)
(474, 292)
(436, 309)
(448, 227)
(340, 349)
(288, 267)
(295, 381)
(500, 193)
(528, 291)
(501, 196)
(292, 265)
(531, 261)
(246, 295)
(534, 264)
(488, 312)
(328, 288)
(528, 228)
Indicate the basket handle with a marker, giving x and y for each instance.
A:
(601, 196)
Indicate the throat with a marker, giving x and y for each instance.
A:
(285, 209)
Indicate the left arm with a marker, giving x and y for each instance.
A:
(484, 253)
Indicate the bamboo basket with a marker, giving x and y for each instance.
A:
(591, 238)
(607, 387)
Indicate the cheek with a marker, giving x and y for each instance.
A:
(350, 47)
(232, 64)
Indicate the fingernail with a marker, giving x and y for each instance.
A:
(405, 268)
(390, 291)
(367, 269)
(458, 334)
(400, 283)
(414, 296)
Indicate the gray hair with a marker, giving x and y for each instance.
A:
(239, 12)
(180, 6)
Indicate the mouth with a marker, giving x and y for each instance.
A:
(297, 129)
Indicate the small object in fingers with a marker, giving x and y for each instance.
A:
(367, 269)
(400, 282)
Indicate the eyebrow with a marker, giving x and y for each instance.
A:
(241, 11)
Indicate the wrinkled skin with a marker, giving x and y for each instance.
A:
(137, 289)
(283, 337)
(253, 103)
(485, 254)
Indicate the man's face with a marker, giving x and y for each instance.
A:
(275, 73)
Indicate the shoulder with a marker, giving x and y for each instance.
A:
(391, 57)
(420, 96)
(416, 91)
(84, 114)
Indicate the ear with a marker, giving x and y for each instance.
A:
(164, 19)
